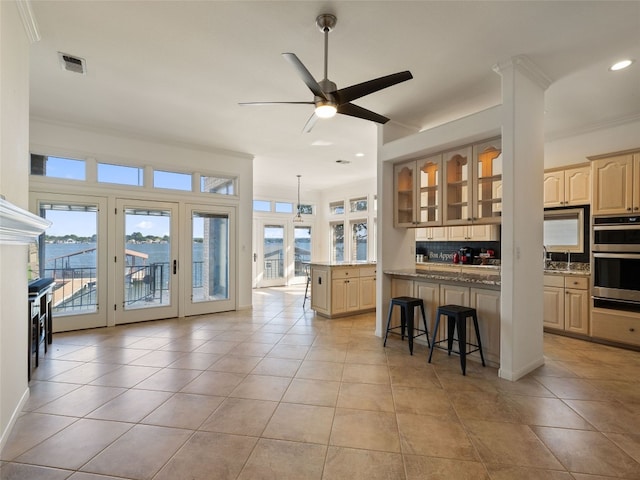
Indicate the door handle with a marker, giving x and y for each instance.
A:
(255, 257)
(175, 267)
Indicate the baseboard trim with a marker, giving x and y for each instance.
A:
(14, 418)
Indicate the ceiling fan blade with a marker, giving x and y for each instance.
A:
(348, 94)
(310, 123)
(275, 103)
(307, 78)
(356, 111)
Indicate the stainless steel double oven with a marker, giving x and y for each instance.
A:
(616, 262)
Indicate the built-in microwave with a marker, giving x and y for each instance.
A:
(616, 262)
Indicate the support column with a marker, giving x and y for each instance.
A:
(521, 304)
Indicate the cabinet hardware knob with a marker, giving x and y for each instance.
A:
(628, 209)
(635, 208)
(632, 329)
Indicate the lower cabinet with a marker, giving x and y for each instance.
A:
(566, 303)
(616, 326)
(486, 301)
(343, 290)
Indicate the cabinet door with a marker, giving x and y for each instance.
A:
(429, 194)
(353, 294)
(338, 295)
(458, 233)
(612, 185)
(367, 298)
(487, 305)
(435, 234)
(577, 186)
(422, 234)
(487, 178)
(553, 307)
(454, 295)
(404, 185)
(576, 311)
(554, 189)
(458, 185)
(482, 233)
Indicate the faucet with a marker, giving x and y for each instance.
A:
(568, 260)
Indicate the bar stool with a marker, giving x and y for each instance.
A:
(407, 306)
(307, 272)
(457, 319)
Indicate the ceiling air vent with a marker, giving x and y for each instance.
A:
(72, 64)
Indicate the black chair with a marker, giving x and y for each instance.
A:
(457, 319)
(407, 306)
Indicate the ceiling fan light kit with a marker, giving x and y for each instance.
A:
(328, 99)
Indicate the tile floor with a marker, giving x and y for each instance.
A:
(277, 393)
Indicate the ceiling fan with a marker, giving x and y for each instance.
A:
(328, 100)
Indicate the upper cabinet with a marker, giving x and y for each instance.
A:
(473, 192)
(616, 184)
(571, 186)
(418, 196)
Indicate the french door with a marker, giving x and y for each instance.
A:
(146, 260)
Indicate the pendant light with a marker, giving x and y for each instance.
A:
(298, 217)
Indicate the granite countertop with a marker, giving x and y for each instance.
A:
(469, 274)
(343, 264)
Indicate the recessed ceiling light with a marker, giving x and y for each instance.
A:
(620, 65)
(321, 143)
(343, 162)
(359, 154)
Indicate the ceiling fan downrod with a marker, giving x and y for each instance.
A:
(326, 22)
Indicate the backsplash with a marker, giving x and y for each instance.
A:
(442, 252)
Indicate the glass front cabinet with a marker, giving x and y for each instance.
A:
(418, 196)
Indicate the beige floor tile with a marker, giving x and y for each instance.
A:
(352, 464)
(609, 416)
(573, 388)
(240, 416)
(196, 361)
(421, 377)
(295, 352)
(187, 344)
(510, 444)
(214, 346)
(297, 339)
(140, 453)
(266, 337)
(431, 468)
(157, 358)
(279, 367)
(132, 406)
(41, 393)
(50, 368)
(336, 353)
(235, 364)
(209, 456)
(316, 370)
(213, 383)
(358, 373)
(81, 401)
(282, 460)
(253, 348)
(91, 476)
(126, 376)
(16, 471)
(29, 430)
(121, 356)
(312, 392)
(588, 452)
(85, 373)
(362, 429)
(261, 387)
(366, 396)
(509, 472)
(75, 445)
(168, 380)
(300, 423)
(630, 443)
(423, 401)
(427, 435)
(370, 357)
(184, 410)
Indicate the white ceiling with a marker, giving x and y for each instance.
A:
(176, 70)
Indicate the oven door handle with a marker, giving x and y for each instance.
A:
(602, 228)
(633, 256)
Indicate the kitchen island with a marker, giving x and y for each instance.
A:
(343, 288)
(474, 286)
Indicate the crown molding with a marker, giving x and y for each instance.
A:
(19, 226)
(523, 64)
(28, 20)
(593, 127)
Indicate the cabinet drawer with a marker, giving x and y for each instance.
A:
(579, 283)
(554, 281)
(616, 327)
(368, 271)
(345, 273)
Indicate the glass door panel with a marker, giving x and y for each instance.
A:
(209, 272)
(430, 193)
(272, 255)
(488, 166)
(458, 186)
(68, 252)
(302, 252)
(148, 261)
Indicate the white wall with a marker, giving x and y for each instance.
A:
(14, 153)
(576, 149)
(77, 142)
